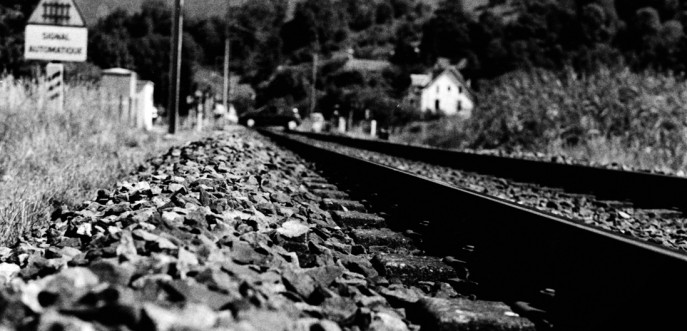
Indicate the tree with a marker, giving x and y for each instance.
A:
(594, 24)
(290, 84)
(406, 53)
(384, 13)
(300, 32)
(11, 40)
(401, 7)
(447, 33)
(361, 14)
(672, 46)
(210, 35)
(141, 42)
(647, 27)
(647, 22)
(151, 54)
(314, 21)
(255, 30)
(109, 51)
(13, 16)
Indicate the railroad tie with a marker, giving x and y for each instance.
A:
(314, 180)
(463, 314)
(331, 194)
(356, 219)
(381, 238)
(320, 186)
(342, 204)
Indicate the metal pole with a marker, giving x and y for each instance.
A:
(227, 57)
(227, 87)
(313, 90)
(175, 66)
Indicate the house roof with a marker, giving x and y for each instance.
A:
(366, 65)
(118, 71)
(420, 80)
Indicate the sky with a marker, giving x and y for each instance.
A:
(92, 10)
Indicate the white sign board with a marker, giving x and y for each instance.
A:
(56, 43)
(56, 32)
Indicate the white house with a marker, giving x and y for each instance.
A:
(447, 93)
(145, 106)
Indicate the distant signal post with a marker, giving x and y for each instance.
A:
(55, 81)
(56, 32)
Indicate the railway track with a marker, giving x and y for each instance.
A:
(563, 190)
(648, 190)
(602, 280)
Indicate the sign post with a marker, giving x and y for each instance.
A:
(55, 81)
(56, 32)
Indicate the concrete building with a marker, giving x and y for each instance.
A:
(132, 98)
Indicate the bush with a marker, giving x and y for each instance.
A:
(637, 117)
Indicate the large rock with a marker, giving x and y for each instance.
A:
(293, 229)
(8, 271)
(385, 321)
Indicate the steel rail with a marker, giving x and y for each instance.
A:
(644, 189)
(603, 281)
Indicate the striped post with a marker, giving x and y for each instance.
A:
(55, 81)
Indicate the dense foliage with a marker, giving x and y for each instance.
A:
(273, 41)
(611, 115)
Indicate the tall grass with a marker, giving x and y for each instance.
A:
(49, 158)
(613, 115)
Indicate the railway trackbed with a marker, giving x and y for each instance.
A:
(645, 206)
(602, 278)
(234, 233)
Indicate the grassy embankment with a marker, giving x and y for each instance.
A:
(48, 158)
(633, 119)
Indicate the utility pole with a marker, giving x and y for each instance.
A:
(313, 89)
(175, 66)
(227, 54)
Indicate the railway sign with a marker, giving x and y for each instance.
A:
(55, 85)
(56, 32)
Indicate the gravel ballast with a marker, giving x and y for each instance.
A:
(228, 233)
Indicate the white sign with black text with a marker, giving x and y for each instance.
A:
(56, 43)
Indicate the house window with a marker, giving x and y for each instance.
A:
(437, 88)
(460, 105)
(460, 89)
(449, 88)
(436, 105)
